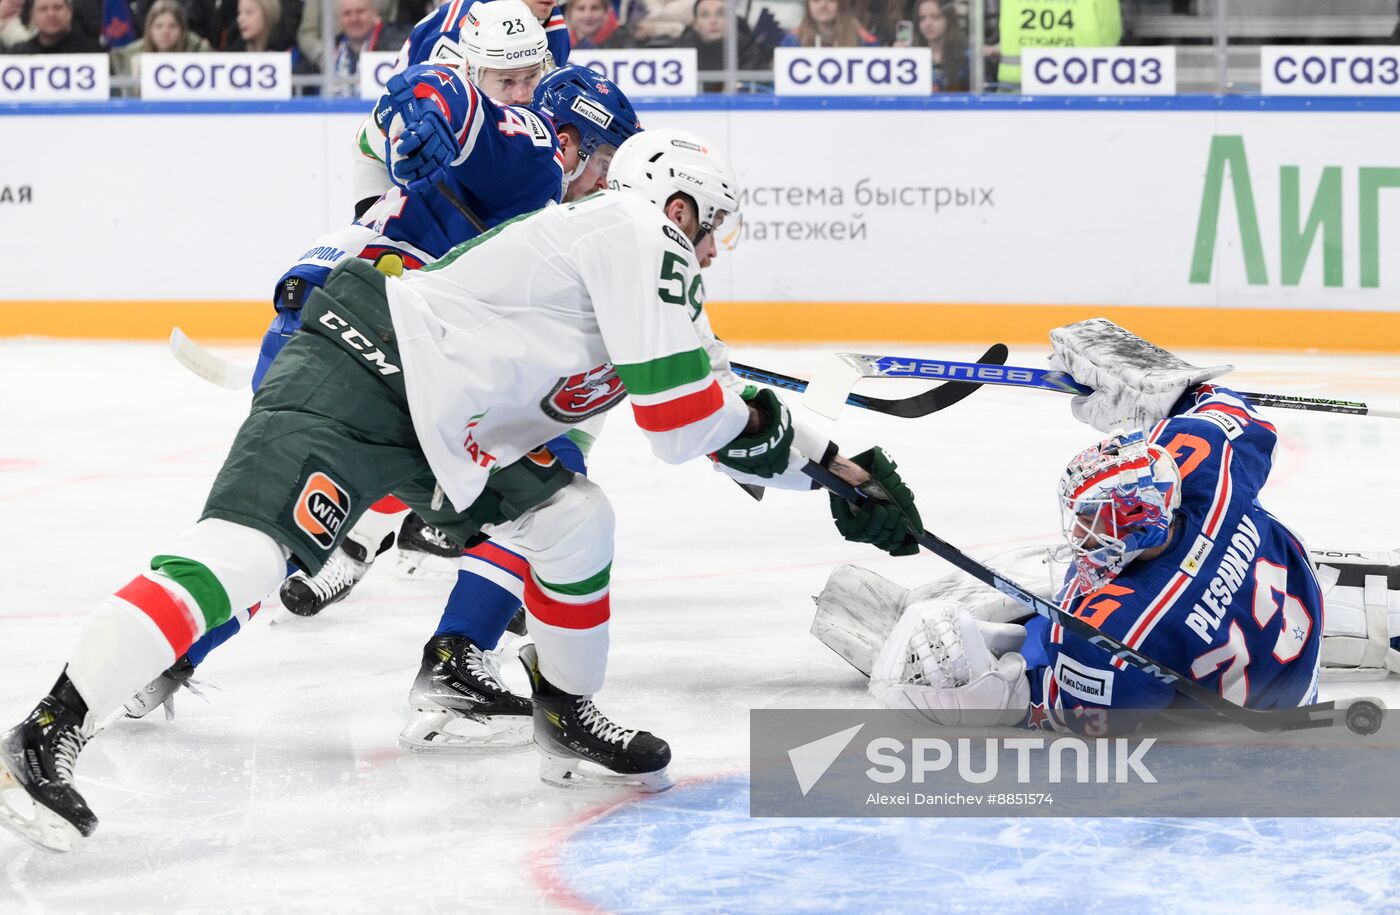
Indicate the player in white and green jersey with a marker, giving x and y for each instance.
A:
(437, 386)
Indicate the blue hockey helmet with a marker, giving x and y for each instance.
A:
(592, 104)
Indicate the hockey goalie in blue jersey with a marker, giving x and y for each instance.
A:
(1172, 554)
(1167, 549)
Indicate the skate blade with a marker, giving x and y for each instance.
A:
(444, 731)
(425, 566)
(42, 828)
(571, 774)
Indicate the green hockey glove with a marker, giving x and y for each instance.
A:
(763, 453)
(887, 525)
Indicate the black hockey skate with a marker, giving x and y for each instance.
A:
(309, 595)
(37, 799)
(459, 704)
(570, 731)
(425, 551)
(162, 690)
(515, 630)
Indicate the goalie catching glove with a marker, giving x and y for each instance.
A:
(1135, 382)
(889, 525)
(763, 452)
(950, 668)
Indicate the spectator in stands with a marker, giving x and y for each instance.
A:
(399, 12)
(656, 23)
(593, 24)
(52, 21)
(880, 17)
(166, 30)
(706, 36)
(829, 24)
(258, 27)
(937, 27)
(361, 29)
(13, 31)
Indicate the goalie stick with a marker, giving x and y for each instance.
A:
(839, 373)
(930, 401)
(1322, 714)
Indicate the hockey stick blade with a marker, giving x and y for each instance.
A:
(940, 397)
(1308, 716)
(206, 365)
(861, 365)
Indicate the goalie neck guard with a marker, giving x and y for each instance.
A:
(1116, 500)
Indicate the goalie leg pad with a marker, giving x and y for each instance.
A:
(1362, 590)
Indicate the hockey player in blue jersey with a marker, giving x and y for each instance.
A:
(1168, 550)
(439, 38)
(591, 117)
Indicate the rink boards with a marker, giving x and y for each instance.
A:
(1195, 220)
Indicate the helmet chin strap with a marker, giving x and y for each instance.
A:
(573, 176)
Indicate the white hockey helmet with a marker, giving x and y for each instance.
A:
(666, 161)
(503, 35)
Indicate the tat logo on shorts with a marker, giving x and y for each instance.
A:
(578, 397)
(321, 509)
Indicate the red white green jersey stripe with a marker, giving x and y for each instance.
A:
(673, 391)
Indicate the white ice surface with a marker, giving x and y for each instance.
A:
(286, 790)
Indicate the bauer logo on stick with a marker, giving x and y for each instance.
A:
(321, 509)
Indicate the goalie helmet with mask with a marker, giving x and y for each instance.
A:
(663, 163)
(596, 109)
(1117, 500)
(504, 50)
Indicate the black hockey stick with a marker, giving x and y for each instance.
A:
(845, 369)
(931, 401)
(1323, 714)
(445, 190)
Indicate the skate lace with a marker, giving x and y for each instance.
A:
(67, 745)
(339, 572)
(485, 666)
(599, 725)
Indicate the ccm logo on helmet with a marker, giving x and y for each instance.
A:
(321, 509)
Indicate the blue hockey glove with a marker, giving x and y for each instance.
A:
(425, 144)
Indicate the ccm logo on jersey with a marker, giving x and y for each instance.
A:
(1088, 683)
(321, 509)
(578, 397)
(359, 342)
